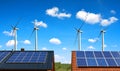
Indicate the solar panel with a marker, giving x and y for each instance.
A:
(28, 57)
(81, 62)
(3, 55)
(91, 62)
(98, 58)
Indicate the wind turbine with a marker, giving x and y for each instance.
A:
(36, 34)
(14, 33)
(15, 37)
(102, 32)
(79, 34)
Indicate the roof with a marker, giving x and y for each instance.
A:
(97, 58)
(13, 60)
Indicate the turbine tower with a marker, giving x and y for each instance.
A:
(36, 35)
(103, 31)
(15, 37)
(14, 33)
(79, 33)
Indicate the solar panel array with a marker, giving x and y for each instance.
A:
(98, 58)
(3, 55)
(28, 57)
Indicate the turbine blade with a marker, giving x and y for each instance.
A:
(32, 33)
(83, 23)
(99, 34)
(76, 29)
(18, 22)
(12, 26)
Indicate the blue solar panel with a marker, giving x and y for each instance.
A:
(107, 54)
(89, 54)
(3, 55)
(115, 54)
(111, 62)
(101, 62)
(118, 61)
(98, 58)
(81, 54)
(81, 62)
(28, 57)
(98, 54)
(91, 62)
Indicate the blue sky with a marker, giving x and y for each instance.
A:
(56, 20)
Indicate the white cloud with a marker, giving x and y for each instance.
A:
(113, 11)
(64, 48)
(44, 48)
(91, 47)
(10, 43)
(54, 12)
(93, 18)
(55, 41)
(8, 33)
(40, 23)
(106, 22)
(90, 18)
(92, 40)
(26, 42)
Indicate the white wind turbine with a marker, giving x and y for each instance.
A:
(79, 34)
(36, 34)
(14, 33)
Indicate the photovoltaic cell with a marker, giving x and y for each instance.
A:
(115, 54)
(98, 54)
(28, 57)
(111, 62)
(91, 62)
(3, 55)
(81, 62)
(101, 62)
(80, 54)
(107, 54)
(89, 54)
(98, 58)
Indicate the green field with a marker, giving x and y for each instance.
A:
(62, 67)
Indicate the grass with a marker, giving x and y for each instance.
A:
(62, 67)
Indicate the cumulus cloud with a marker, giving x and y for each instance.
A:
(64, 48)
(10, 43)
(54, 12)
(113, 11)
(55, 41)
(92, 40)
(90, 18)
(91, 47)
(40, 23)
(26, 42)
(8, 33)
(106, 22)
